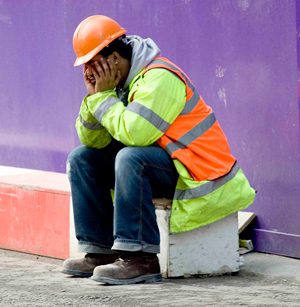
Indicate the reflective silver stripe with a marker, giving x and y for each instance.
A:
(192, 134)
(149, 115)
(192, 102)
(90, 126)
(105, 106)
(206, 188)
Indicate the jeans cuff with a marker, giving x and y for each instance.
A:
(129, 246)
(88, 247)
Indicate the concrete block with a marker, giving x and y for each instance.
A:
(211, 249)
(34, 212)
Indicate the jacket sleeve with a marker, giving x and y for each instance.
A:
(155, 101)
(90, 132)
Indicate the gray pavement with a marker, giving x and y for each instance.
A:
(264, 280)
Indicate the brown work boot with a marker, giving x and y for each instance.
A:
(129, 269)
(84, 267)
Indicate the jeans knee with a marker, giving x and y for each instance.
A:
(76, 154)
(76, 158)
(127, 157)
(79, 153)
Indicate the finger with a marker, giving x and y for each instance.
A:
(98, 68)
(88, 71)
(112, 67)
(85, 71)
(97, 71)
(89, 77)
(86, 77)
(106, 68)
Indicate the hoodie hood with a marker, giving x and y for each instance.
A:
(143, 52)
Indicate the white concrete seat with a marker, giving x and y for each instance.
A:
(211, 249)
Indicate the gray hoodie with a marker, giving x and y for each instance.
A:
(143, 52)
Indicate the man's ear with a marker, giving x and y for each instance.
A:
(116, 57)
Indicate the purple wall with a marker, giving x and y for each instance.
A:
(241, 55)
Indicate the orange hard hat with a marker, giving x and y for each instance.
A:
(92, 35)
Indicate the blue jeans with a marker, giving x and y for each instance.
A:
(137, 174)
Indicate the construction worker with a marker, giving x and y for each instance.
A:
(146, 133)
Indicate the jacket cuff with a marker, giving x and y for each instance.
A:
(99, 103)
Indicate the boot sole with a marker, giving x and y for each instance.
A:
(141, 279)
(75, 273)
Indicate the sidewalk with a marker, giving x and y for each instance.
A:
(264, 280)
